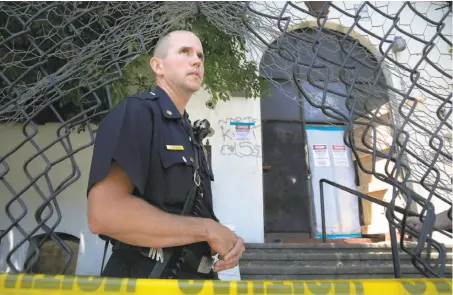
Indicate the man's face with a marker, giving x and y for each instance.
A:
(183, 66)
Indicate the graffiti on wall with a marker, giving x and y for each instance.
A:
(240, 137)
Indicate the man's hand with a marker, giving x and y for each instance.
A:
(232, 258)
(220, 238)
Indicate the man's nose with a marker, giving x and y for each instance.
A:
(196, 61)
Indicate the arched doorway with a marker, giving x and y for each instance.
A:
(290, 178)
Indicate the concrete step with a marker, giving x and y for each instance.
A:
(278, 261)
(325, 268)
(274, 248)
(275, 255)
(318, 246)
(326, 277)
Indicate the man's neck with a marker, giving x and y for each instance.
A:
(179, 98)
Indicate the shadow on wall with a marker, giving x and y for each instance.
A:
(52, 257)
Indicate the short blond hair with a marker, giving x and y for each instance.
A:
(161, 48)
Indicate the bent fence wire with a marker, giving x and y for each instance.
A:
(382, 69)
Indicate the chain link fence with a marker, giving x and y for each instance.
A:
(366, 65)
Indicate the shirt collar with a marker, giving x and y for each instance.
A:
(167, 106)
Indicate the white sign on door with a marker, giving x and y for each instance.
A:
(340, 156)
(321, 155)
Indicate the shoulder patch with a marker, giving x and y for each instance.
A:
(145, 95)
(152, 96)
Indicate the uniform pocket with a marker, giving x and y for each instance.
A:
(174, 157)
(178, 170)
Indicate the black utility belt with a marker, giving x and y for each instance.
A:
(196, 257)
(117, 245)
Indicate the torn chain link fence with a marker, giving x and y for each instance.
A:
(382, 69)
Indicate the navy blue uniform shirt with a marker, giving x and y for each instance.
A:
(125, 136)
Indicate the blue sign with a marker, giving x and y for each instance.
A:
(242, 123)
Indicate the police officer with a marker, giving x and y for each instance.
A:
(147, 163)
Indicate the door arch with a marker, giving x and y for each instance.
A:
(285, 112)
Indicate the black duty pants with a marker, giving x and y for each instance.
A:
(126, 263)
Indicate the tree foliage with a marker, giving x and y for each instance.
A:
(227, 68)
(73, 54)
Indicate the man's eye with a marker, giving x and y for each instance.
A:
(185, 51)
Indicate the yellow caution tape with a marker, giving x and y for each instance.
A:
(20, 284)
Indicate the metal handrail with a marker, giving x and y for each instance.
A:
(423, 234)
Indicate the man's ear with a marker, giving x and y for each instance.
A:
(156, 65)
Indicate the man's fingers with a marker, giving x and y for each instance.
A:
(231, 262)
(224, 265)
(231, 259)
(238, 249)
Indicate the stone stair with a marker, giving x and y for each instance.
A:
(279, 261)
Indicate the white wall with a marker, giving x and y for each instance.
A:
(425, 111)
(237, 188)
(237, 164)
